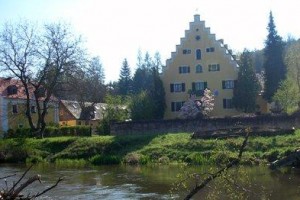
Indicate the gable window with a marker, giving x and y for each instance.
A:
(12, 89)
(186, 51)
(33, 109)
(184, 69)
(227, 104)
(213, 67)
(228, 84)
(177, 87)
(14, 109)
(210, 49)
(198, 37)
(198, 54)
(199, 69)
(176, 106)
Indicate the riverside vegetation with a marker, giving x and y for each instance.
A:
(145, 149)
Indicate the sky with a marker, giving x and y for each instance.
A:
(117, 29)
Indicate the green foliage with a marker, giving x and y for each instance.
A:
(145, 149)
(105, 160)
(125, 80)
(246, 88)
(287, 96)
(141, 107)
(51, 132)
(275, 69)
(147, 80)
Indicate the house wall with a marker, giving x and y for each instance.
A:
(221, 56)
(16, 120)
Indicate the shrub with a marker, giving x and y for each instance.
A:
(105, 160)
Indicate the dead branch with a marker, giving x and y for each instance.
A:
(4, 177)
(48, 189)
(219, 173)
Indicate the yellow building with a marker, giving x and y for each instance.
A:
(71, 114)
(200, 61)
(13, 106)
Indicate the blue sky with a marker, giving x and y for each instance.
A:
(116, 29)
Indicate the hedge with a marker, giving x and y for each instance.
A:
(50, 131)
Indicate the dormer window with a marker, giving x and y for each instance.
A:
(12, 89)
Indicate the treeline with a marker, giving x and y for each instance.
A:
(273, 72)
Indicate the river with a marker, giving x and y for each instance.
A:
(156, 182)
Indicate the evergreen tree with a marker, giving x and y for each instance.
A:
(125, 81)
(246, 87)
(147, 84)
(275, 69)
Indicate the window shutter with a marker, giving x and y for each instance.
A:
(179, 70)
(205, 85)
(183, 87)
(218, 67)
(172, 87)
(235, 83)
(188, 69)
(173, 106)
(223, 84)
(193, 86)
(224, 103)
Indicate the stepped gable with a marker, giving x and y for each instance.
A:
(200, 25)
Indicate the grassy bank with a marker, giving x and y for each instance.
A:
(168, 148)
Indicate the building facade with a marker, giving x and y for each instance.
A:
(200, 61)
(13, 106)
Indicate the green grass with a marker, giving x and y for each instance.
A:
(145, 149)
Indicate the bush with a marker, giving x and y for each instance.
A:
(105, 160)
(104, 128)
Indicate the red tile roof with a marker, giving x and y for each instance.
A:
(6, 82)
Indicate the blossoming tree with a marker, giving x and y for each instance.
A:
(194, 108)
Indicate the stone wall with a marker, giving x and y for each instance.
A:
(201, 125)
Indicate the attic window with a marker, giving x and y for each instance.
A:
(198, 37)
(12, 89)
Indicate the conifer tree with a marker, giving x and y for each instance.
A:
(246, 87)
(125, 80)
(275, 69)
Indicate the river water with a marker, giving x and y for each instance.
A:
(157, 182)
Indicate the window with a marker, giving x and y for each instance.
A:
(227, 104)
(198, 88)
(199, 69)
(210, 49)
(213, 67)
(228, 84)
(33, 109)
(198, 54)
(12, 89)
(184, 69)
(176, 106)
(199, 85)
(177, 87)
(186, 51)
(198, 37)
(14, 108)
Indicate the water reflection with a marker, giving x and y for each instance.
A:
(155, 182)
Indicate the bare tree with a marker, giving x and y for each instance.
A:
(39, 59)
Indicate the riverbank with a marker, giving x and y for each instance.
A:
(147, 149)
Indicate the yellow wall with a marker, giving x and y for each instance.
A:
(221, 56)
(17, 120)
(93, 123)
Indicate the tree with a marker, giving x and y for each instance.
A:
(275, 69)
(125, 80)
(287, 96)
(292, 60)
(141, 106)
(246, 87)
(39, 61)
(193, 108)
(148, 84)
